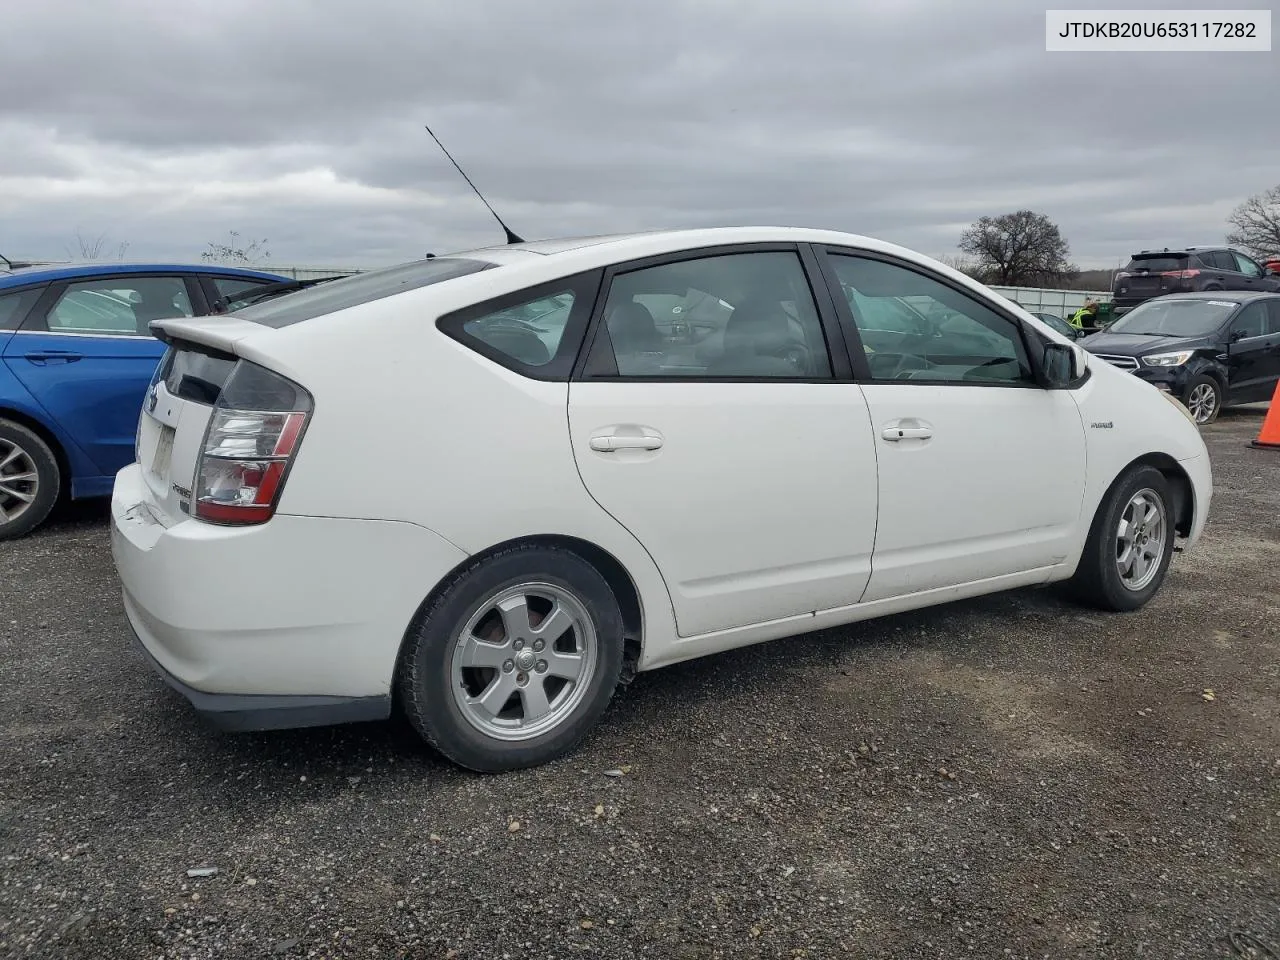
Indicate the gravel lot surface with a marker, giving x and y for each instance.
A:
(1009, 777)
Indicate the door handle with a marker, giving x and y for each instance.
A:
(906, 430)
(608, 444)
(42, 357)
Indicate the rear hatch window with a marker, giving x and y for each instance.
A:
(1157, 264)
(359, 288)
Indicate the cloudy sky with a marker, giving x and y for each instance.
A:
(168, 123)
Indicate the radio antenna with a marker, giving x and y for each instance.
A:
(511, 237)
(7, 261)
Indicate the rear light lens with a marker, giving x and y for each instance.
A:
(1180, 274)
(252, 439)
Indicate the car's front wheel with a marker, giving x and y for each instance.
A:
(1204, 399)
(1130, 544)
(515, 661)
(29, 480)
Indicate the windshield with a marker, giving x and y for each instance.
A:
(1175, 318)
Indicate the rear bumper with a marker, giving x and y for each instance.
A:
(295, 622)
(237, 711)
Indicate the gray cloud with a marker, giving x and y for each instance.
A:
(168, 126)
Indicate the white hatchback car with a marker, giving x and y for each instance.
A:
(490, 486)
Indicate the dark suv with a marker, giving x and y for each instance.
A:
(1153, 273)
(1209, 350)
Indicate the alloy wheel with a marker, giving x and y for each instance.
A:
(19, 481)
(1203, 402)
(1140, 539)
(524, 661)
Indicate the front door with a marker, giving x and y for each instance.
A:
(1251, 355)
(86, 355)
(720, 436)
(981, 470)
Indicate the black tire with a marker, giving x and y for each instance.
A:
(1201, 382)
(426, 685)
(16, 517)
(1097, 581)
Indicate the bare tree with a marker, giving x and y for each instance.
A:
(965, 265)
(1257, 224)
(100, 247)
(1018, 249)
(236, 251)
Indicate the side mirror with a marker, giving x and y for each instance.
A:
(1063, 365)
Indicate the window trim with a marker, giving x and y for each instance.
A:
(853, 335)
(585, 287)
(37, 319)
(597, 335)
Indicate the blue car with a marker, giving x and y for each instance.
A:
(76, 357)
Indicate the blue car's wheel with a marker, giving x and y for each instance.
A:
(29, 480)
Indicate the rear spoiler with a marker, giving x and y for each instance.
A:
(219, 333)
(1161, 254)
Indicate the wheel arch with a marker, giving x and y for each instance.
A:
(42, 430)
(605, 563)
(1184, 493)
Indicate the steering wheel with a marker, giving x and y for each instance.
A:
(909, 363)
(798, 355)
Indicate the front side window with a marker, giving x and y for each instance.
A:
(737, 315)
(951, 337)
(1246, 266)
(1250, 322)
(118, 306)
(1273, 315)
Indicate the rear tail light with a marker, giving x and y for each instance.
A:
(1180, 274)
(252, 439)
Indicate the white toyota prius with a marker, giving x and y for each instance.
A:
(485, 488)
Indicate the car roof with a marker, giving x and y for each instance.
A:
(73, 271)
(1225, 296)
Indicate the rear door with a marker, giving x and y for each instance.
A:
(86, 355)
(734, 448)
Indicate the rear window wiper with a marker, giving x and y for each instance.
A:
(267, 291)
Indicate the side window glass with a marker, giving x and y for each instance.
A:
(1273, 316)
(14, 306)
(1219, 260)
(1250, 322)
(949, 335)
(734, 315)
(1246, 266)
(118, 305)
(528, 332)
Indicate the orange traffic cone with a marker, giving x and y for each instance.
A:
(1269, 436)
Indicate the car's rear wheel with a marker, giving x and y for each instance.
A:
(515, 661)
(1130, 544)
(29, 480)
(1204, 399)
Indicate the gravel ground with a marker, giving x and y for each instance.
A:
(1009, 777)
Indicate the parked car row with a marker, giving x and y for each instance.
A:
(1154, 273)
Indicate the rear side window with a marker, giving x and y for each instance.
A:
(335, 295)
(14, 306)
(536, 332)
(1219, 260)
